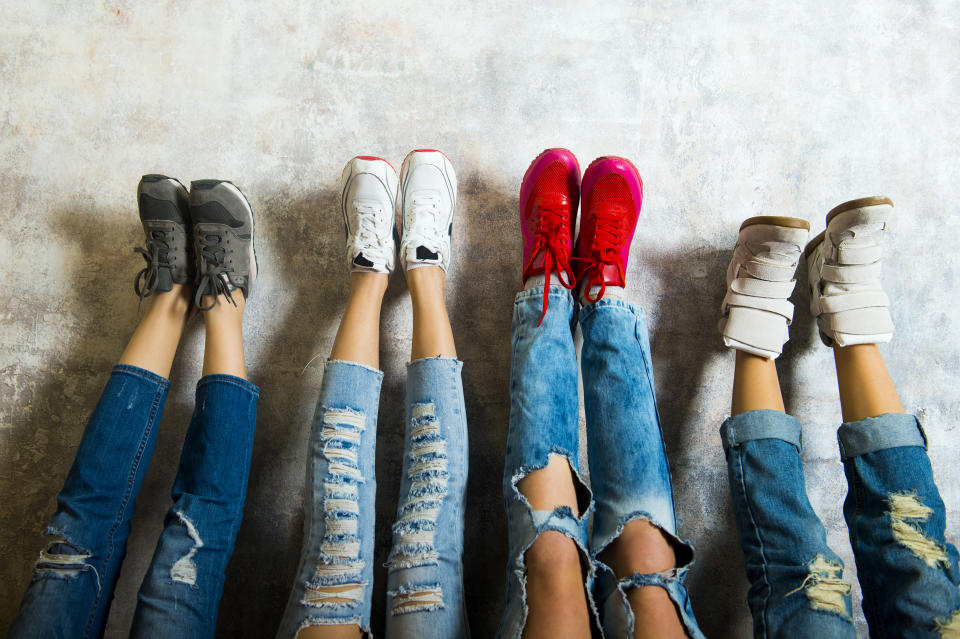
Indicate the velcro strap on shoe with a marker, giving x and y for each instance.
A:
(770, 272)
(851, 301)
(863, 321)
(757, 328)
(763, 288)
(851, 273)
(859, 254)
(780, 307)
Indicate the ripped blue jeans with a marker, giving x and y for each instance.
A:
(908, 573)
(74, 578)
(333, 586)
(629, 476)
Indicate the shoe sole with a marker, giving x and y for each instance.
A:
(859, 203)
(451, 184)
(777, 220)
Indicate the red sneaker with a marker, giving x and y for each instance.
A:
(612, 196)
(549, 196)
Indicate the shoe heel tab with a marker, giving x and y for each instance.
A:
(156, 177)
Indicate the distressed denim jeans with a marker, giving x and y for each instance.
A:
(630, 479)
(425, 594)
(908, 573)
(75, 575)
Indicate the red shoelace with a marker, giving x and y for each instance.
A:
(552, 239)
(608, 241)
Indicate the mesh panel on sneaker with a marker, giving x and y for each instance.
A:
(553, 179)
(610, 189)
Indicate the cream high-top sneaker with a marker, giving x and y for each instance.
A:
(756, 310)
(847, 297)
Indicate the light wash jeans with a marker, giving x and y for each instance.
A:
(425, 595)
(908, 573)
(629, 475)
(75, 575)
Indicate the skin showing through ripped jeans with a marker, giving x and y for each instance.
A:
(556, 598)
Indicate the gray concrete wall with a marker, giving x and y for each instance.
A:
(729, 109)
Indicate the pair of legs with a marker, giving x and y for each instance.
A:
(332, 594)
(628, 576)
(895, 517)
(74, 578)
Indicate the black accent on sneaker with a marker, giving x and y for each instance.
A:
(450, 230)
(423, 253)
(215, 212)
(152, 208)
(360, 260)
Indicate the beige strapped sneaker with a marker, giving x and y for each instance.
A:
(847, 297)
(756, 310)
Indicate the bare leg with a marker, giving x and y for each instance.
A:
(755, 384)
(223, 346)
(866, 389)
(555, 594)
(432, 336)
(358, 338)
(154, 342)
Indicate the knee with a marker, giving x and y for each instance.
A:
(553, 556)
(641, 548)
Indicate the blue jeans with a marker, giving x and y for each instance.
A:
(425, 594)
(75, 575)
(630, 479)
(908, 572)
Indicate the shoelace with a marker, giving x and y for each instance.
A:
(553, 224)
(213, 272)
(604, 250)
(368, 218)
(426, 212)
(157, 256)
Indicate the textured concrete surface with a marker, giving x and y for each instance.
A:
(729, 110)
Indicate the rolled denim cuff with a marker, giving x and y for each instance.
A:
(761, 424)
(878, 433)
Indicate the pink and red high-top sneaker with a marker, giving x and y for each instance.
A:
(549, 197)
(612, 197)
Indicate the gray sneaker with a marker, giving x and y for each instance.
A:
(222, 240)
(164, 213)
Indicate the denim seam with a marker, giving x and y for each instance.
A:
(151, 421)
(586, 312)
(239, 382)
(142, 373)
(554, 292)
(763, 556)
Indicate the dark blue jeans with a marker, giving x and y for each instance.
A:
(75, 575)
(908, 572)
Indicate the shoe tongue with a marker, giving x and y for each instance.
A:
(423, 253)
(360, 260)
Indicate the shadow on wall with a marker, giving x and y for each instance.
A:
(683, 342)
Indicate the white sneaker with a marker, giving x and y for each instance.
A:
(428, 199)
(846, 295)
(756, 310)
(368, 195)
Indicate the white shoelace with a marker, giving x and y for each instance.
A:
(368, 240)
(427, 227)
